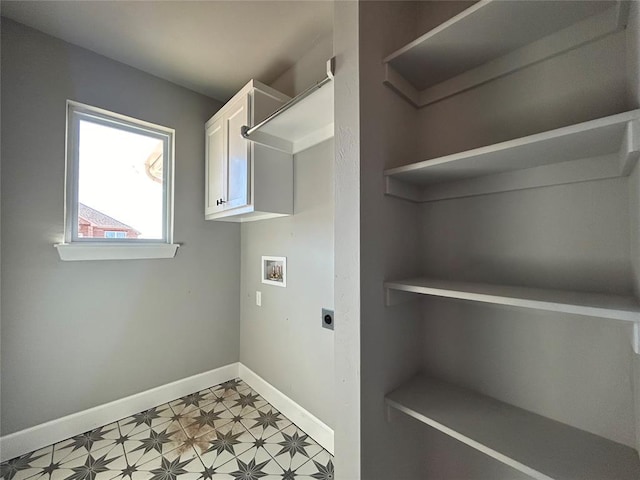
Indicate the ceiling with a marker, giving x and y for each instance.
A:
(212, 47)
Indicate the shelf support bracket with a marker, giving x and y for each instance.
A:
(635, 337)
(630, 150)
(388, 413)
(394, 297)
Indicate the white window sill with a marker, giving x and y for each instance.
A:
(70, 252)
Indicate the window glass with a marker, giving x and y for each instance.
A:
(119, 177)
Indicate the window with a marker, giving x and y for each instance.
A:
(119, 180)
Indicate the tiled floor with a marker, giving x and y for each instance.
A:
(224, 432)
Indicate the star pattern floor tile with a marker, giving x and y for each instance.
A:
(265, 422)
(291, 447)
(226, 432)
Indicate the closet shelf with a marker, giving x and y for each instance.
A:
(535, 445)
(301, 123)
(494, 38)
(612, 307)
(604, 148)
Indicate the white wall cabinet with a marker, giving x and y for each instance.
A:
(214, 165)
(246, 181)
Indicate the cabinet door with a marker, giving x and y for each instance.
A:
(214, 167)
(237, 173)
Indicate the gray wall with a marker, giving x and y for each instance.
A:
(283, 340)
(633, 53)
(79, 334)
(308, 70)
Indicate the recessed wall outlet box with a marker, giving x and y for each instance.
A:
(327, 318)
(258, 298)
(274, 271)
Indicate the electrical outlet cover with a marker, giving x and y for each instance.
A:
(328, 319)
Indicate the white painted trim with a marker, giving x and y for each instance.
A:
(39, 436)
(71, 252)
(555, 157)
(603, 306)
(570, 138)
(304, 419)
(574, 171)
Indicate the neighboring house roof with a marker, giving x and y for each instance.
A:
(100, 219)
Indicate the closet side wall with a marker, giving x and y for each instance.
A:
(389, 246)
(634, 195)
(347, 233)
(633, 69)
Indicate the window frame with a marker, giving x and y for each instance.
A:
(75, 113)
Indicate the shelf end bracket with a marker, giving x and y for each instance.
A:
(395, 297)
(630, 150)
(635, 337)
(388, 413)
(331, 67)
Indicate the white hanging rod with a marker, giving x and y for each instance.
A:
(331, 65)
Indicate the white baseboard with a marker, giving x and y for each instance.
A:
(39, 436)
(34, 438)
(304, 419)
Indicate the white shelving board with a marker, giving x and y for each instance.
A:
(612, 142)
(493, 38)
(533, 444)
(302, 125)
(612, 307)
